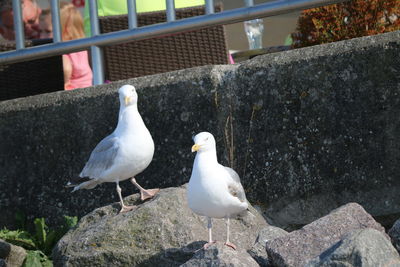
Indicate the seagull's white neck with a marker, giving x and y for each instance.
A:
(208, 157)
(128, 119)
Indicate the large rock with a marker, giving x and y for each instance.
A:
(258, 251)
(221, 256)
(12, 255)
(162, 231)
(362, 248)
(394, 234)
(299, 247)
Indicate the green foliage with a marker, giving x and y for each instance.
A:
(46, 238)
(70, 222)
(40, 232)
(346, 20)
(40, 243)
(36, 258)
(19, 238)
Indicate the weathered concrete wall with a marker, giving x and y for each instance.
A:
(308, 130)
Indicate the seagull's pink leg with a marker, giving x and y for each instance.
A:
(210, 241)
(123, 207)
(228, 243)
(145, 193)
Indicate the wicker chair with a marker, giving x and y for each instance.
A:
(31, 77)
(178, 51)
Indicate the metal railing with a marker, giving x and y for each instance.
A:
(97, 41)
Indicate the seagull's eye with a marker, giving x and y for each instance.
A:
(206, 139)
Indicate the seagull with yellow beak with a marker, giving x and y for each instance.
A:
(214, 190)
(123, 154)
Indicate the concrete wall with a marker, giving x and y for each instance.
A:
(307, 130)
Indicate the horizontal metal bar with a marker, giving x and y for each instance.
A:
(157, 30)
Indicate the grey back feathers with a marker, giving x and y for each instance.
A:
(235, 187)
(101, 158)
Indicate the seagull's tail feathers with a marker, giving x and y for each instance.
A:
(82, 183)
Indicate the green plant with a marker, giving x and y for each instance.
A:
(346, 20)
(20, 238)
(46, 238)
(40, 243)
(36, 258)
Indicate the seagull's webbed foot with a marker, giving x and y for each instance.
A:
(126, 208)
(145, 193)
(231, 245)
(149, 193)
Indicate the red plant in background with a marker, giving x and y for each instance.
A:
(346, 20)
(78, 3)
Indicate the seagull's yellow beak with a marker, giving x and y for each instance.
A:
(195, 147)
(127, 100)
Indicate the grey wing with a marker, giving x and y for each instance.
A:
(101, 158)
(233, 174)
(235, 187)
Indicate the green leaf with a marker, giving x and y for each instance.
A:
(36, 258)
(50, 241)
(19, 238)
(40, 233)
(70, 221)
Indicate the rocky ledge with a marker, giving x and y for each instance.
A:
(165, 232)
(160, 232)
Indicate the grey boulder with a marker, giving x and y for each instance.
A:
(160, 232)
(219, 255)
(361, 248)
(11, 255)
(299, 247)
(394, 234)
(258, 251)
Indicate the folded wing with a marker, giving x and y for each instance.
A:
(102, 158)
(234, 185)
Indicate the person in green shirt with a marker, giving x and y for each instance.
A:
(118, 7)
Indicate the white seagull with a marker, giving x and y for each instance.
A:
(123, 154)
(214, 190)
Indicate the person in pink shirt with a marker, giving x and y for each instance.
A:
(77, 71)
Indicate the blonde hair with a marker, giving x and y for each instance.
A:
(71, 22)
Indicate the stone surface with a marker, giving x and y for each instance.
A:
(162, 232)
(362, 248)
(300, 246)
(13, 255)
(394, 234)
(307, 130)
(258, 251)
(221, 256)
(317, 128)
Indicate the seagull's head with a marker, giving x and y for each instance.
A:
(203, 141)
(127, 95)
